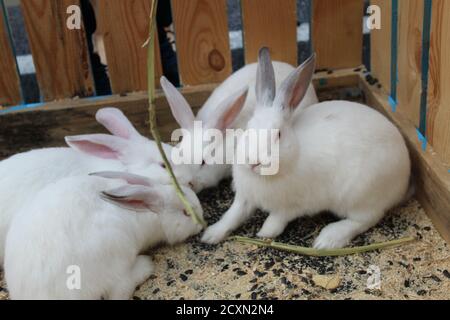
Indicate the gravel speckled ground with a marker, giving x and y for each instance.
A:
(420, 270)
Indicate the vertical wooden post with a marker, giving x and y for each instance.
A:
(380, 45)
(273, 24)
(337, 33)
(9, 77)
(410, 35)
(124, 28)
(203, 47)
(438, 111)
(60, 55)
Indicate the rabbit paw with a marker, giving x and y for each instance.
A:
(215, 233)
(272, 227)
(330, 238)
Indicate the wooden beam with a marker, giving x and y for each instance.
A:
(9, 79)
(60, 55)
(203, 47)
(47, 125)
(273, 24)
(342, 78)
(431, 175)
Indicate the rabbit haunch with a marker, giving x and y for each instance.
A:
(68, 224)
(338, 156)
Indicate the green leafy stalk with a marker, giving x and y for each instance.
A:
(321, 253)
(152, 117)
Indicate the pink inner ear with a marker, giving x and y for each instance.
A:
(117, 128)
(94, 149)
(133, 203)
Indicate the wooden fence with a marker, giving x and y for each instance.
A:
(62, 60)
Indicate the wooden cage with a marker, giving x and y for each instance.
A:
(409, 69)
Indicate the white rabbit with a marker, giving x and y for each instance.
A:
(339, 156)
(23, 175)
(227, 107)
(67, 231)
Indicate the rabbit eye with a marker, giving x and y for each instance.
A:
(163, 165)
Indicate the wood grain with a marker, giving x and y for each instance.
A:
(337, 33)
(60, 55)
(438, 113)
(431, 177)
(202, 41)
(9, 79)
(273, 24)
(380, 45)
(124, 28)
(409, 87)
(47, 125)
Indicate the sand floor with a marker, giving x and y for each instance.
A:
(420, 270)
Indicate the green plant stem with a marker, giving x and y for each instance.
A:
(321, 253)
(152, 117)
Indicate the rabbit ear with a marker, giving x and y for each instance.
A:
(132, 179)
(117, 123)
(265, 79)
(99, 145)
(228, 110)
(135, 197)
(294, 88)
(181, 110)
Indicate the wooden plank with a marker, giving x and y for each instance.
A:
(431, 177)
(438, 114)
(380, 45)
(337, 33)
(343, 78)
(123, 28)
(409, 87)
(47, 125)
(60, 55)
(273, 24)
(9, 79)
(203, 48)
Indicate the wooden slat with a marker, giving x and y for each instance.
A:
(270, 23)
(60, 55)
(48, 124)
(409, 85)
(202, 41)
(431, 177)
(124, 27)
(337, 33)
(380, 45)
(9, 78)
(438, 113)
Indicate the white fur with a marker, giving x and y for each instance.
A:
(25, 174)
(339, 156)
(67, 224)
(211, 174)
